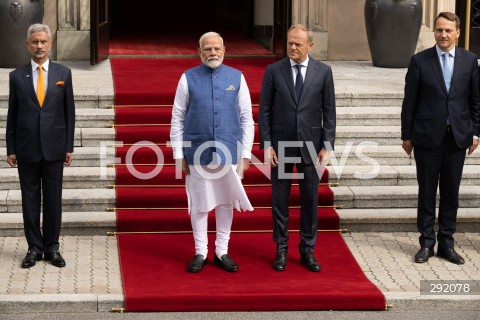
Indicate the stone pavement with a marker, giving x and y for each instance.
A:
(91, 280)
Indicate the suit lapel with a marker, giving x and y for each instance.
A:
(286, 70)
(28, 78)
(457, 66)
(309, 76)
(51, 80)
(437, 69)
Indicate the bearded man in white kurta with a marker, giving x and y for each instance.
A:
(212, 136)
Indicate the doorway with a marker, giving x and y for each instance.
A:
(175, 28)
(124, 28)
(469, 14)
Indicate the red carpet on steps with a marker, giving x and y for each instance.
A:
(153, 265)
(154, 81)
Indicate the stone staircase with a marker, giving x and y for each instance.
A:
(376, 179)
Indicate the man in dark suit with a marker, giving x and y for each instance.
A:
(40, 133)
(440, 121)
(297, 107)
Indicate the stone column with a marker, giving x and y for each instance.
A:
(431, 9)
(50, 19)
(313, 13)
(73, 35)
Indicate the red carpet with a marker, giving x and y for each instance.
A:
(155, 279)
(188, 45)
(151, 198)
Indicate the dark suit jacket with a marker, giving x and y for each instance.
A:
(427, 105)
(283, 118)
(34, 132)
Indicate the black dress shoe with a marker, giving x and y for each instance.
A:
(226, 263)
(310, 262)
(423, 254)
(31, 259)
(197, 263)
(55, 259)
(280, 262)
(451, 255)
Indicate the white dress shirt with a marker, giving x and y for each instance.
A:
(35, 73)
(303, 69)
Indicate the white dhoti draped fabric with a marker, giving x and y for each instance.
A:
(220, 189)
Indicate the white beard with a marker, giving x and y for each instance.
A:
(213, 63)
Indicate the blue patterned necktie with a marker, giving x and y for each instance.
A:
(447, 73)
(299, 81)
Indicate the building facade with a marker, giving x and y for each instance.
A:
(338, 25)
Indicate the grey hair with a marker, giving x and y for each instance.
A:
(303, 28)
(38, 27)
(208, 35)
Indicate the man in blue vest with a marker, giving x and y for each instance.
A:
(212, 136)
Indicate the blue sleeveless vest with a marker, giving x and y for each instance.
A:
(212, 120)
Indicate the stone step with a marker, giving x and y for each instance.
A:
(84, 137)
(346, 116)
(380, 135)
(92, 85)
(83, 157)
(399, 220)
(84, 118)
(73, 223)
(395, 196)
(83, 200)
(385, 175)
(353, 219)
(73, 178)
(368, 116)
(367, 96)
(351, 154)
(347, 197)
(382, 175)
(365, 153)
(91, 99)
(102, 97)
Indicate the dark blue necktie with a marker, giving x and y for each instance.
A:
(447, 73)
(298, 81)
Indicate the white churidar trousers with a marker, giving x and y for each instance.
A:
(221, 189)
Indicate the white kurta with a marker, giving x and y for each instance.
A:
(206, 189)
